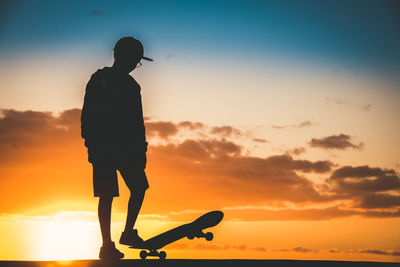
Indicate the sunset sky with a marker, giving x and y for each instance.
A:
(282, 114)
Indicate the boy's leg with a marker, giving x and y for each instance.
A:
(108, 251)
(104, 213)
(105, 184)
(134, 205)
(136, 180)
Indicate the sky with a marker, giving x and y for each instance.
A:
(282, 114)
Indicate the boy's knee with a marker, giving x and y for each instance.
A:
(106, 199)
(138, 191)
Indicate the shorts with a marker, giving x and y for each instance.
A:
(105, 179)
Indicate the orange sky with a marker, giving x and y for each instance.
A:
(276, 206)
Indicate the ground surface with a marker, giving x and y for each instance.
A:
(184, 263)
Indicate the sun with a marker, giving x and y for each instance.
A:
(66, 240)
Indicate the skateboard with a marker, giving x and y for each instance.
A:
(191, 230)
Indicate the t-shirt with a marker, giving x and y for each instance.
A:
(112, 113)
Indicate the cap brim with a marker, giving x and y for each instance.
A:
(147, 58)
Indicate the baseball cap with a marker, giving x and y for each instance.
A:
(130, 45)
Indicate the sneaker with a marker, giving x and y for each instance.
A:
(131, 238)
(110, 252)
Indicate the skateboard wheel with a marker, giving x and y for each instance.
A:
(143, 254)
(162, 255)
(190, 236)
(209, 236)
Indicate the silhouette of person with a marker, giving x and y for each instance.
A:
(113, 128)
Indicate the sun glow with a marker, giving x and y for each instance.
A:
(66, 240)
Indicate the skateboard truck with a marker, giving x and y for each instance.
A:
(153, 252)
(208, 236)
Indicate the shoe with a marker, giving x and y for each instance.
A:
(131, 238)
(110, 252)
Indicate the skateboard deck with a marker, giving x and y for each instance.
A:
(191, 230)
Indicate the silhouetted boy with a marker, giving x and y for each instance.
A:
(113, 128)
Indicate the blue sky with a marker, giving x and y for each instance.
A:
(365, 34)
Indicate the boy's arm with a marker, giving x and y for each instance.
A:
(90, 112)
(142, 128)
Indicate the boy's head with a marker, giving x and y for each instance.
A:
(128, 52)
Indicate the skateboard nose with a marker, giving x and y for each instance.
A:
(219, 213)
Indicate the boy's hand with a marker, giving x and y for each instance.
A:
(144, 160)
(144, 154)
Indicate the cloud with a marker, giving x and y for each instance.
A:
(278, 127)
(161, 129)
(252, 178)
(380, 252)
(303, 124)
(199, 150)
(282, 213)
(366, 107)
(374, 201)
(364, 179)
(164, 129)
(191, 125)
(225, 131)
(296, 151)
(305, 214)
(319, 166)
(334, 250)
(169, 56)
(344, 102)
(260, 249)
(299, 249)
(259, 140)
(299, 125)
(341, 141)
(303, 250)
(24, 129)
(370, 187)
(202, 246)
(359, 172)
(282, 249)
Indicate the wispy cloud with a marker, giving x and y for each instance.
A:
(341, 142)
(298, 125)
(161, 129)
(304, 250)
(169, 56)
(225, 130)
(379, 252)
(215, 247)
(296, 151)
(260, 140)
(345, 102)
